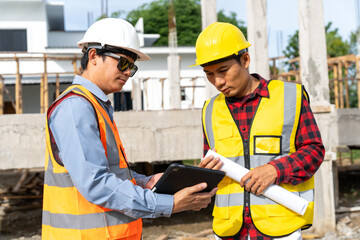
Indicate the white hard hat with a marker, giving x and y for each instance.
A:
(113, 32)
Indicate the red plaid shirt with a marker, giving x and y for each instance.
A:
(293, 169)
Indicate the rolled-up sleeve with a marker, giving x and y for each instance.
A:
(74, 126)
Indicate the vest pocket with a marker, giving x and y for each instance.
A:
(224, 140)
(224, 132)
(267, 145)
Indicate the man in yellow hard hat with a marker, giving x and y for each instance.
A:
(264, 125)
(90, 193)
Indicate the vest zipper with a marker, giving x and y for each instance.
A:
(247, 165)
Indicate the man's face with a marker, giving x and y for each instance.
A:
(230, 77)
(111, 79)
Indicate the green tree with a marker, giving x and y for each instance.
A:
(188, 20)
(335, 46)
(354, 41)
(292, 50)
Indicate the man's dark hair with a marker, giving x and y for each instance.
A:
(85, 57)
(238, 57)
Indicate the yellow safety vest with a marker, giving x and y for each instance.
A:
(66, 213)
(272, 135)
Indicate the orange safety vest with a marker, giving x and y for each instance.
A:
(66, 213)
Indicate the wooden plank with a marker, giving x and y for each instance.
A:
(348, 209)
(18, 89)
(46, 85)
(204, 233)
(162, 92)
(341, 88)
(310, 236)
(346, 80)
(42, 94)
(1, 95)
(345, 58)
(349, 168)
(21, 181)
(321, 108)
(74, 65)
(336, 83)
(57, 91)
(193, 91)
(274, 72)
(163, 237)
(40, 74)
(357, 79)
(19, 197)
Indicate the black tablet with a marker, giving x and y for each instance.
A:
(177, 177)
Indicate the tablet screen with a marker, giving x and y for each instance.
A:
(177, 177)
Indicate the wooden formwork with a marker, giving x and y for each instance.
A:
(44, 94)
(338, 70)
(344, 71)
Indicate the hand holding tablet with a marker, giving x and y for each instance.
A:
(177, 177)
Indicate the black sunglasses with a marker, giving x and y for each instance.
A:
(123, 63)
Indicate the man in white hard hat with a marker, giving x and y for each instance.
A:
(89, 190)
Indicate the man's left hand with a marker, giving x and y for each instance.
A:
(259, 178)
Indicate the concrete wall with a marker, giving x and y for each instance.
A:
(148, 136)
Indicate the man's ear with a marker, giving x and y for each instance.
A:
(92, 56)
(245, 60)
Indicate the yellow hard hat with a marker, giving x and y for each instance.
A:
(219, 40)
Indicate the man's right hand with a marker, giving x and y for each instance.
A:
(190, 199)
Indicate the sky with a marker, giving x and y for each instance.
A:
(282, 16)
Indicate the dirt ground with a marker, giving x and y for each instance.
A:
(25, 224)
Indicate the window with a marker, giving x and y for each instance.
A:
(183, 94)
(13, 40)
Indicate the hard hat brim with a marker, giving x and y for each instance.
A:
(142, 56)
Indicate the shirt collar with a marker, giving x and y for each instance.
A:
(262, 90)
(92, 87)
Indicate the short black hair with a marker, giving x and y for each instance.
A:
(85, 57)
(234, 56)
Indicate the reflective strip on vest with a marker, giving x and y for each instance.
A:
(282, 109)
(85, 221)
(75, 213)
(237, 199)
(63, 179)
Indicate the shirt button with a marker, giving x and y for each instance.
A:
(243, 129)
(242, 108)
(247, 214)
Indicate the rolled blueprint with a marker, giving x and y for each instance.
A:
(273, 192)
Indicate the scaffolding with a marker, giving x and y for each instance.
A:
(344, 74)
(344, 78)
(43, 76)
